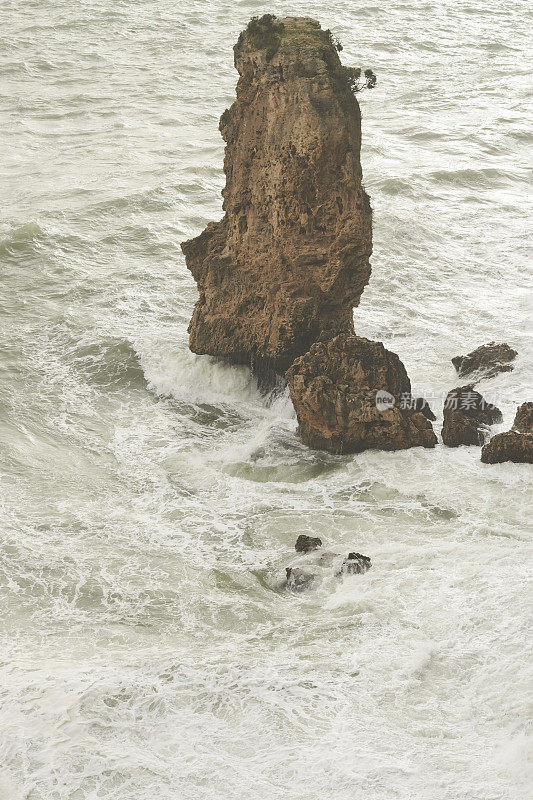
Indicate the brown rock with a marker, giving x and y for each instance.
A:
(509, 446)
(422, 405)
(290, 258)
(514, 445)
(348, 394)
(523, 421)
(486, 361)
(465, 414)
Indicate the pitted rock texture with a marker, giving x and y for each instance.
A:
(466, 413)
(486, 361)
(523, 421)
(509, 446)
(340, 390)
(290, 258)
(514, 445)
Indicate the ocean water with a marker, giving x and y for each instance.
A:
(150, 499)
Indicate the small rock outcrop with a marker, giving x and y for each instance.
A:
(306, 544)
(290, 258)
(523, 421)
(351, 394)
(311, 568)
(355, 564)
(466, 413)
(297, 579)
(422, 405)
(514, 445)
(486, 361)
(509, 446)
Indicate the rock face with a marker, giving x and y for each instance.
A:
(523, 421)
(280, 274)
(290, 258)
(514, 445)
(351, 394)
(486, 361)
(422, 405)
(465, 414)
(509, 446)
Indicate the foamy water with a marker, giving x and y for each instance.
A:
(150, 498)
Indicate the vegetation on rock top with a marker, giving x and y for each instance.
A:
(267, 33)
(355, 82)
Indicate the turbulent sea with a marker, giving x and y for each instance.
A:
(150, 498)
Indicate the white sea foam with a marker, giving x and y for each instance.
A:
(151, 498)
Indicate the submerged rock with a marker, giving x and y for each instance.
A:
(290, 258)
(514, 445)
(312, 567)
(355, 564)
(466, 412)
(306, 544)
(297, 579)
(348, 393)
(486, 361)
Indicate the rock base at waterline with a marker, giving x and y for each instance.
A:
(466, 415)
(337, 388)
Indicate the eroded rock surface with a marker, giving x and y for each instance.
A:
(348, 393)
(514, 445)
(486, 361)
(280, 274)
(523, 421)
(466, 414)
(509, 446)
(290, 258)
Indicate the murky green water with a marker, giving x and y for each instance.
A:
(150, 499)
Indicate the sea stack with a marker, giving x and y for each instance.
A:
(290, 258)
(280, 274)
